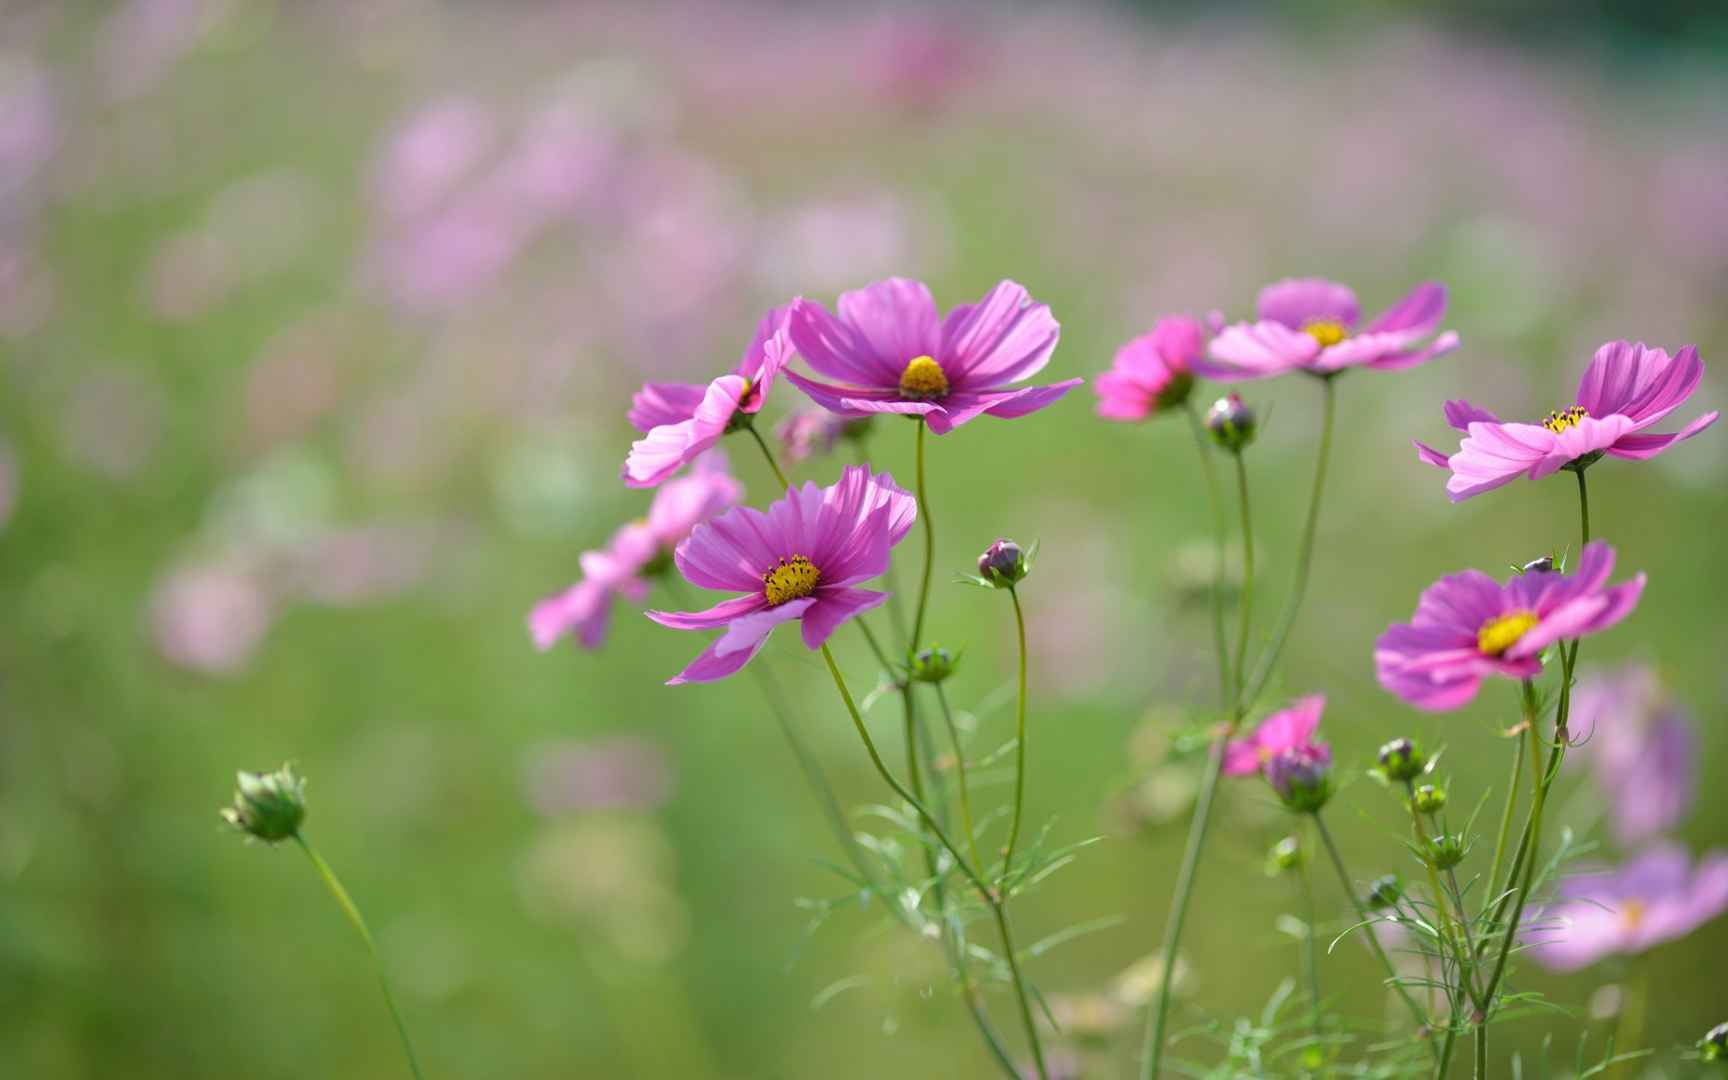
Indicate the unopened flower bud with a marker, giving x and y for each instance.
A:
(932, 665)
(1430, 799)
(1231, 422)
(1446, 851)
(1383, 892)
(1543, 565)
(268, 806)
(1402, 760)
(1302, 777)
(1714, 1045)
(1003, 564)
(1287, 854)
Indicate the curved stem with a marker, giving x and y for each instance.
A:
(1152, 1052)
(989, 897)
(1368, 931)
(1204, 447)
(1304, 557)
(350, 909)
(929, 545)
(1246, 606)
(1019, 742)
(960, 775)
(769, 454)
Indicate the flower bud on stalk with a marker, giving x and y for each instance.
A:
(1286, 854)
(1446, 851)
(1430, 799)
(1402, 760)
(932, 665)
(1302, 777)
(1231, 422)
(268, 806)
(1714, 1045)
(1383, 892)
(1003, 564)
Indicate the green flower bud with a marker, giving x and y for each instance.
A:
(1286, 854)
(1383, 892)
(268, 806)
(1231, 422)
(1446, 851)
(1430, 799)
(1714, 1045)
(1402, 760)
(1544, 565)
(932, 665)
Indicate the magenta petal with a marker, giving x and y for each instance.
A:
(1295, 302)
(1256, 351)
(833, 607)
(748, 631)
(1495, 454)
(1241, 758)
(836, 349)
(1639, 382)
(1409, 358)
(958, 408)
(719, 615)
(711, 666)
(1290, 728)
(730, 552)
(1003, 338)
(1638, 446)
(900, 406)
(1460, 414)
(666, 449)
(657, 404)
(896, 321)
(1419, 313)
(835, 398)
(1429, 455)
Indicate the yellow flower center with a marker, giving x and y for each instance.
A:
(1326, 331)
(1503, 631)
(1632, 914)
(923, 379)
(1561, 419)
(791, 579)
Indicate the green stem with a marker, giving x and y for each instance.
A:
(1494, 885)
(1203, 445)
(1344, 879)
(1445, 1063)
(1481, 1070)
(1246, 607)
(346, 903)
(960, 775)
(929, 545)
(1019, 743)
(1583, 505)
(769, 454)
(1509, 933)
(1310, 944)
(1454, 924)
(990, 898)
(1152, 1053)
(1304, 556)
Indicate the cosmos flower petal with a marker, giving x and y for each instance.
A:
(1003, 338)
(711, 666)
(1641, 445)
(1295, 302)
(1460, 414)
(1428, 455)
(1256, 351)
(657, 404)
(718, 615)
(833, 607)
(1400, 359)
(1639, 382)
(896, 320)
(1418, 313)
(748, 630)
(958, 408)
(833, 347)
(655, 457)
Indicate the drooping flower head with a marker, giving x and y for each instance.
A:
(1641, 749)
(1310, 324)
(1626, 389)
(1658, 896)
(681, 420)
(1468, 626)
(637, 551)
(798, 560)
(1153, 373)
(895, 353)
(1282, 748)
(808, 432)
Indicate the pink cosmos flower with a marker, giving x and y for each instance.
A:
(1627, 388)
(1309, 324)
(1289, 729)
(1654, 898)
(1642, 749)
(681, 420)
(808, 432)
(1153, 373)
(898, 355)
(635, 553)
(1468, 626)
(799, 559)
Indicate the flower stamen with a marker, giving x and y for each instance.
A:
(1632, 914)
(1503, 631)
(791, 579)
(924, 379)
(1327, 332)
(1561, 419)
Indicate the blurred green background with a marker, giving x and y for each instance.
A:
(318, 322)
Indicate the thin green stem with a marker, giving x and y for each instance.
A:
(1583, 504)
(1019, 743)
(1481, 1070)
(769, 455)
(1304, 555)
(929, 545)
(1246, 606)
(1310, 943)
(1544, 781)
(1445, 1063)
(350, 909)
(896, 604)
(1152, 1053)
(960, 776)
(1203, 445)
(1455, 924)
(1349, 885)
(1512, 782)
(991, 899)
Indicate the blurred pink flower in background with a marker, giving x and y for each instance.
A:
(1641, 748)
(1290, 729)
(29, 127)
(113, 422)
(1152, 373)
(210, 616)
(1658, 896)
(144, 39)
(1309, 324)
(625, 772)
(9, 481)
(425, 158)
(811, 432)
